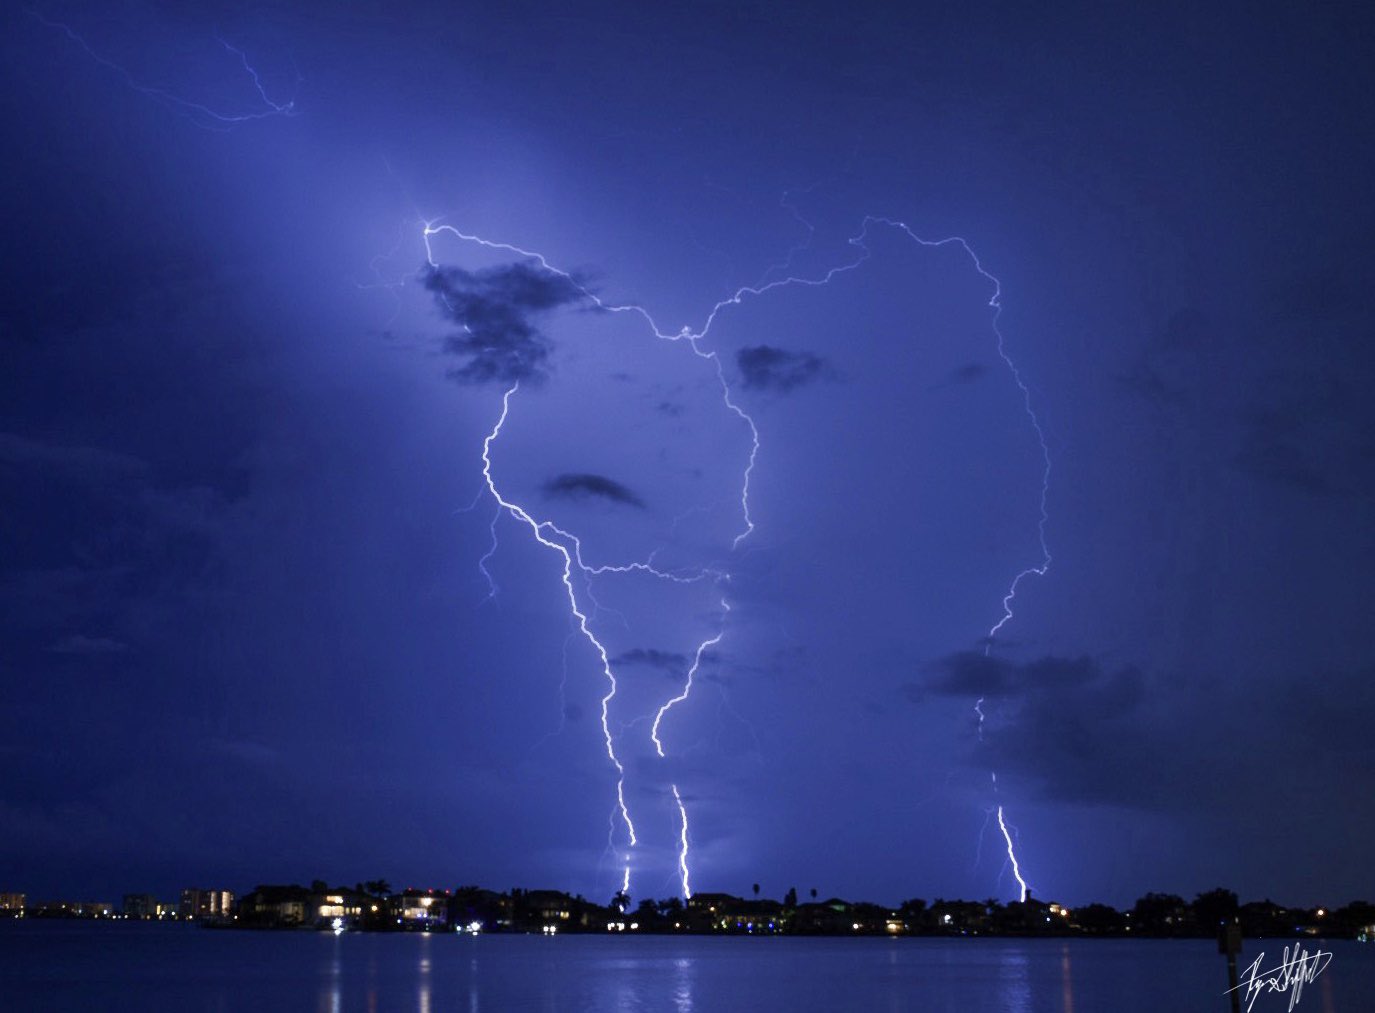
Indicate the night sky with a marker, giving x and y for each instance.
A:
(252, 628)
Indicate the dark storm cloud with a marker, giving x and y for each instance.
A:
(1073, 726)
(1091, 734)
(104, 546)
(965, 674)
(972, 673)
(671, 664)
(579, 486)
(767, 368)
(498, 341)
(962, 376)
(968, 373)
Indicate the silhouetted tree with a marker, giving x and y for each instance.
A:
(790, 899)
(1215, 908)
(813, 893)
(1354, 917)
(319, 886)
(377, 887)
(1158, 914)
(1098, 918)
(756, 889)
(621, 901)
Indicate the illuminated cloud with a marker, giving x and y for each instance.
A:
(498, 342)
(672, 664)
(764, 367)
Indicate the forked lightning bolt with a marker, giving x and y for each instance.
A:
(570, 548)
(198, 113)
(537, 528)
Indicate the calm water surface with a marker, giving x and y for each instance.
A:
(132, 966)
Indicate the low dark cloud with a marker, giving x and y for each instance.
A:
(1087, 733)
(670, 663)
(968, 373)
(767, 368)
(973, 673)
(580, 486)
(498, 342)
(1073, 726)
(962, 376)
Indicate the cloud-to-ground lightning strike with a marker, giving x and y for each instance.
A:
(1012, 855)
(683, 845)
(1041, 568)
(659, 746)
(537, 528)
(687, 686)
(570, 548)
(199, 114)
(1002, 825)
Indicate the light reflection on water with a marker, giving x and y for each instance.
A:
(59, 968)
(423, 973)
(1016, 988)
(331, 994)
(682, 993)
(1066, 981)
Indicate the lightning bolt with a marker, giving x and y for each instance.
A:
(659, 746)
(1043, 567)
(1012, 856)
(538, 529)
(683, 845)
(687, 687)
(569, 547)
(487, 556)
(200, 115)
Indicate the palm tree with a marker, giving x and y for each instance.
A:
(756, 891)
(670, 907)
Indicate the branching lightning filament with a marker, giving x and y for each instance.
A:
(570, 548)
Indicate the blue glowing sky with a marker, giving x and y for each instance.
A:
(245, 635)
